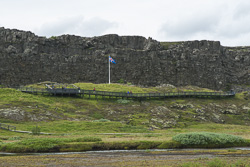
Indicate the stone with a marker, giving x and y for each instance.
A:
(246, 108)
(200, 111)
(160, 110)
(216, 118)
(18, 114)
(232, 109)
(182, 106)
(26, 58)
(13, 114)
(166, 86)
(160, 123)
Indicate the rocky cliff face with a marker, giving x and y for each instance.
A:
(26, 58)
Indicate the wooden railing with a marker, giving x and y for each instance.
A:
(7, 127)
(67, 91)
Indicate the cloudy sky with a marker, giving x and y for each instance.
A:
(227, 21)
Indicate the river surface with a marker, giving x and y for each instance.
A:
(150, 157)
(121, 151)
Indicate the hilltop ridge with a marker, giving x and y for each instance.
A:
(26, 58)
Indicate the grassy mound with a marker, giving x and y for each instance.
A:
(209, 140)
(45, 144)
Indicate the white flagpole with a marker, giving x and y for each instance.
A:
(109, 71)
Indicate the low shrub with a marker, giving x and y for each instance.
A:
(15, 138)
(49, 144)
(33, 145)
(207, 140)
(248, 142)
(152, 135)
(88, 139)
(169, 145)
(36, 130)
(125, 145)
(114, 145)
(121, 81)
(4, 138)
(73, 147)
(148, 144)
(217, 163)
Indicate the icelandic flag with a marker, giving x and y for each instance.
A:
(112, 60)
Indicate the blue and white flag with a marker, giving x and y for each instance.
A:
(112, 60)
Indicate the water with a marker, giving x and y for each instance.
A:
(117, 151)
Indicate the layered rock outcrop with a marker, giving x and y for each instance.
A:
(26, 58)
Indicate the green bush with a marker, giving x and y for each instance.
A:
(169, 145)
(121, 81)
(72, 147)
(217, 163)
(129, 83)
(125, 145)
(206, 139)
(53, 37)
(148, 144)
(241, 163)
(48, 144)
(30, 145)
(36, 130)
(248, 142)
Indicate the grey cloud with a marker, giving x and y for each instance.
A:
(233, 29)
(77, 26)
(188, 27)
(237, 23)
(229, 23)
(95, 26)
(242, 10)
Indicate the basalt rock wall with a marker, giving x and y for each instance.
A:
(26, 58)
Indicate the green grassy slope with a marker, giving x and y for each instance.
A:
(119, 123)
(17, 108)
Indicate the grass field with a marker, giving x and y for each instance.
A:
(205, 158)
(123, 124)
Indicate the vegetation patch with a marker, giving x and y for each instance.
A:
(169, 145)
(44, 144)
(74, 118)
(102, 120)
(209, 140)
(90, 143)
(123, 101)
(36, 130)
(152, 135)
(88, 139)
(166, 45)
